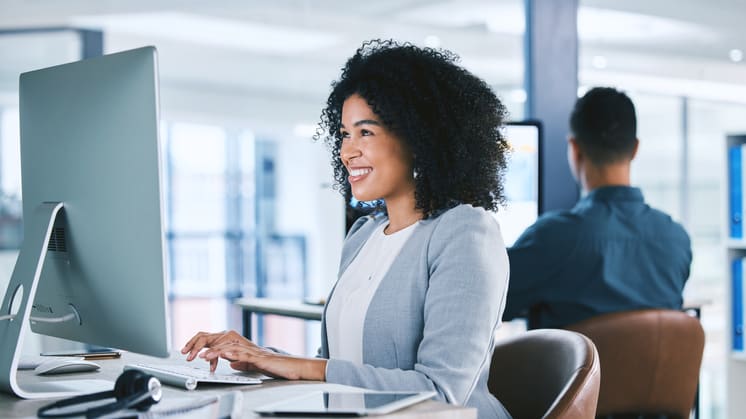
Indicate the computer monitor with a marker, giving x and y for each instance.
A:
(521, 184)
(93, 257)
(521, 180)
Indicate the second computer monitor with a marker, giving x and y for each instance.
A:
(521, 180)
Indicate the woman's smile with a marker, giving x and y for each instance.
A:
(358, 174)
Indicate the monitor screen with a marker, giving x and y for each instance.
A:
(521, 180)
(89, 140)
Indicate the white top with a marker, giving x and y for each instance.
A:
(345, 313)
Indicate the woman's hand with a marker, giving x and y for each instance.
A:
(244, 355)
(255, 358)
(209, 340)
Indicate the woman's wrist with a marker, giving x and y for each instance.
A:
(314, 369)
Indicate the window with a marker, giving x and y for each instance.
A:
(209, 201)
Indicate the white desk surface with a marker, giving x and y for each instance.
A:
(253, 395)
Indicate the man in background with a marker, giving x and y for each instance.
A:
(611, 252)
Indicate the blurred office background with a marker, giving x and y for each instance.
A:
(250, 209)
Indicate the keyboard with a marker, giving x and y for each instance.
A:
(186, 376)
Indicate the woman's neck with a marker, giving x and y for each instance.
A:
(402, 214)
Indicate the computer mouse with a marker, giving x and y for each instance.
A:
(61, 366)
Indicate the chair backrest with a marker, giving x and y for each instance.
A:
(650, 360)
(546, 373)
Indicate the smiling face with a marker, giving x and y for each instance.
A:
(378, 163)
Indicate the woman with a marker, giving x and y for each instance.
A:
(422, 283)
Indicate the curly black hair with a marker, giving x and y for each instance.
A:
(448, 118)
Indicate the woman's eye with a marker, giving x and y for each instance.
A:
(345, 134)
(365, 132)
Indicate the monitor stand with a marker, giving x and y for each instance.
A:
(23, 284)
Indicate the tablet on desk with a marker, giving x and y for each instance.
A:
(348, 404)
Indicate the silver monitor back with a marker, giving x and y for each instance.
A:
(89, 139)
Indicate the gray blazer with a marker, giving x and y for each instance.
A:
(430, 324)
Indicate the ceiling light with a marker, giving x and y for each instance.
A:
(736, 55)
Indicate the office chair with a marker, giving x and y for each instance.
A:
(650, 361)
(546, 373)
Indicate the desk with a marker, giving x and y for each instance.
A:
(253, 395)
(288, 308)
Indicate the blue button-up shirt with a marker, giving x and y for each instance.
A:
(611, 252)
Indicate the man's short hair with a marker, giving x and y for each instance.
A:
(604, 125)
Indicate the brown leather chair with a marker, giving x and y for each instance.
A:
(650, 361)
(546, 373)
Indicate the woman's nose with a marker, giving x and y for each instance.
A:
(349, 150)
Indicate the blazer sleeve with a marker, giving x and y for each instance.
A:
(468, 274)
